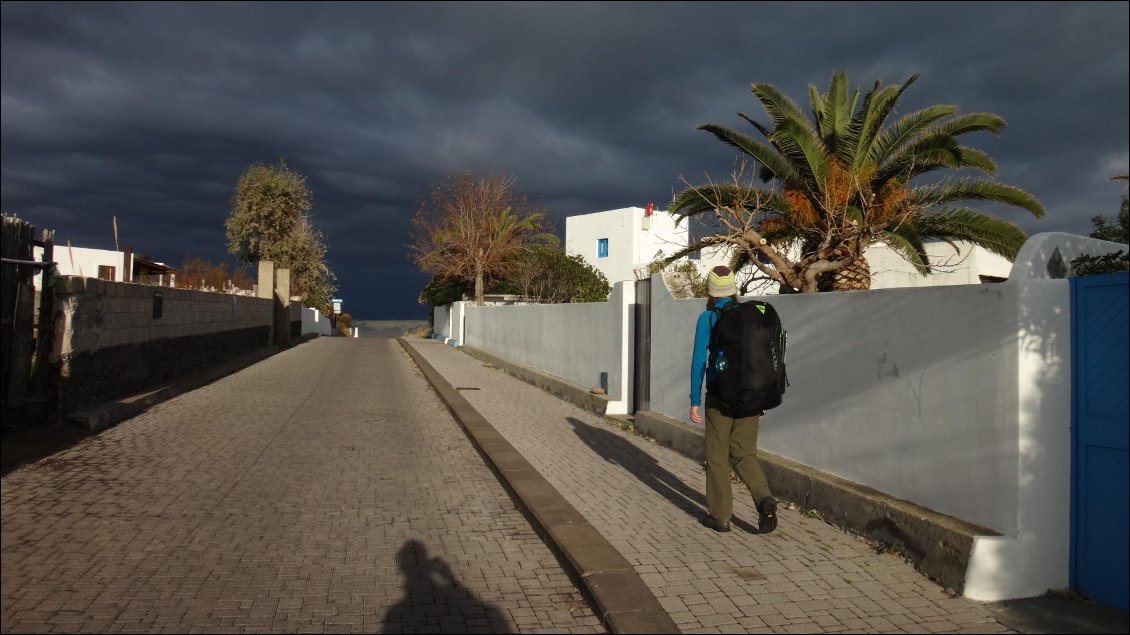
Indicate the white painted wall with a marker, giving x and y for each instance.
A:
(633, 239)
(448, 321)
(889, 270)
(441, 322)
(84, 262)
(955, 397)
(576, 342)
(314, 322)
(1034, 257)
(912, 392)
(963, 265)
(459, 323)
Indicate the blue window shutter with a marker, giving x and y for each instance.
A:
(602, 248)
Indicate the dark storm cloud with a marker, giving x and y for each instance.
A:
(150, 111)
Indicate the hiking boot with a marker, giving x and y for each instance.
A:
(720, 526)
(767, 515)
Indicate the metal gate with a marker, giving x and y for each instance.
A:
(1099, 463)
(641, 386)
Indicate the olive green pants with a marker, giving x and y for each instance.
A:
(731, 442)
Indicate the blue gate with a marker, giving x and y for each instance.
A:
(1099, 464)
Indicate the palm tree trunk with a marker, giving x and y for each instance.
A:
(854, 277)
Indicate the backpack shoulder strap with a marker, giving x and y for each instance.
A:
(718, 311)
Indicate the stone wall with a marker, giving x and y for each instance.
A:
(114, 339)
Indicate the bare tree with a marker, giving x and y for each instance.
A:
(474, 228)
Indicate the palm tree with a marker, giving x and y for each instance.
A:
(841, 181)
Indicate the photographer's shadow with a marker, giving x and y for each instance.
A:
(434, 600)
(619, 451)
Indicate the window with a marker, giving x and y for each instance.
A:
(106, 273)
(601, 247)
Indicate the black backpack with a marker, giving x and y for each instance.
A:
(747, 347)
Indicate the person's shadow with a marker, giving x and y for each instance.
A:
(435, 602)
(619, 451)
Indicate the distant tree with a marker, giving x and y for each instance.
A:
(197, 273)
(546, 274)
(269, 220)
(305, 255)
(473, 229)
(441, 291)
(842, 180)
(242, 280)
(1114, 231)
(345, 324)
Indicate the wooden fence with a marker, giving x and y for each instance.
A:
(25, 323)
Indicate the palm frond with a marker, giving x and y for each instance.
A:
(908, 244)
(848, 149)
(836, 116)
(931, 154)
(692, 248)
(759, 126)
(994, 234)
(690, 202)
(878, 109)
(974, 158)
(806, 151)
(777, 105)
(975, 190)
(906, 130)
(816, 103)
(767, 156)
(924, 156)
(696, 200)
(972, 122)
(738, 260)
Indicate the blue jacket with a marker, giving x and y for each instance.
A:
(701, 354)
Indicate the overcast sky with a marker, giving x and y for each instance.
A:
(150, 112)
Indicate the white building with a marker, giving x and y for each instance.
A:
(88, 263)
(108, 264)
(621, 243)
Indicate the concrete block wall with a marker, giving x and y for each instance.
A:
(108, 341)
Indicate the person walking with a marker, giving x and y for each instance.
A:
(731, 435)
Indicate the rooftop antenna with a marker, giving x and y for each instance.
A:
(115, 233)
(71, 254)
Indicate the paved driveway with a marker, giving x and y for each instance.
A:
(325, 488)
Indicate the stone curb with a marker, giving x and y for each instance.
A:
(621, 598)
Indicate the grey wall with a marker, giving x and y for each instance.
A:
(575, 342)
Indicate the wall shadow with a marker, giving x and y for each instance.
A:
(31, 443)
(619, 451)
(434, 600)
